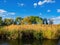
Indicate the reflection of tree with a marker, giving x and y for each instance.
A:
(49, 42)
(36, 42)
(30, 42)
(20, 42)
(59, 42)
(15, 42)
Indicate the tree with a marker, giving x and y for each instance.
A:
(18, 20)
(36, 19)
(8, 21)
(1, 21)
(39, 20)
(26, 20)
(45, 21)
(32, 20)
(50, 21)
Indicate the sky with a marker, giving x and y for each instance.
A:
(42, 8)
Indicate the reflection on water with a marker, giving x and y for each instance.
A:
(29, 42)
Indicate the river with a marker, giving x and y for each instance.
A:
(29, 42)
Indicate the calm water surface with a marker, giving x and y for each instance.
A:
(30, 42)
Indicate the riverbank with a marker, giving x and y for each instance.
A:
(35, 31)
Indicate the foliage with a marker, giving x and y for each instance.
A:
(38, 35)
(45, 21)
(8, 21)
(35, 28)
(36, 31)
(26, 20)
(32, 20)
(18, 20)
(1, 21)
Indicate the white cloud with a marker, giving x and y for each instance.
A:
(50, 1)
(48, 10)
(56, 20)
(6, 13)
(40, 14)
(58, 10)
(20, 4)
(2, 11)
(11, 13)
(41, 3)
(35, 4)
(45, 1)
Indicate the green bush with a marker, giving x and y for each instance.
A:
(38, 35)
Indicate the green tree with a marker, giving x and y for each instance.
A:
(1, 21)
(45, 21)
(8, 21)
(32, 20)
(36, 20)
(39, 20)
(26, 20)
(18, 20)
(50, 21)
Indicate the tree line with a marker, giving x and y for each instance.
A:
(25, 20)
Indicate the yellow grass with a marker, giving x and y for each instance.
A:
(36, 27)
(49, 31)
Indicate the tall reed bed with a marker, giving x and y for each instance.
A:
(34, 31)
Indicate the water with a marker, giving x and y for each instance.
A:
(30, 42)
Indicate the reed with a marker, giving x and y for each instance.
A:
(38, 31)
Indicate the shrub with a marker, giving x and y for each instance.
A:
(27, 34)
(38, 35)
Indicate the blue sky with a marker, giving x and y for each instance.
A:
(23, 8)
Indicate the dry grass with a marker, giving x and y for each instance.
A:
(49, 31)
(36, 27)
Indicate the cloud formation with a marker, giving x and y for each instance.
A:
(6, 13)
(43, 2)
(40, 13)
(2, 11)
(56, 20)
(20, 4)
(48, 10)
(35, 4)
(58, 10)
